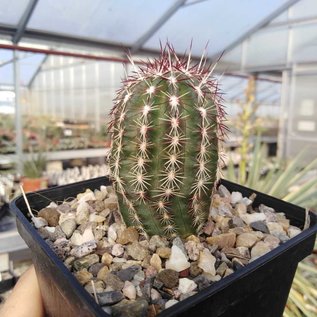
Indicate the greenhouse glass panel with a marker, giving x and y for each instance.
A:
(267, 47)
(305, 44)
(116, 21)
(12, 11)
(304, 8)
(204, 22)
(6, 67)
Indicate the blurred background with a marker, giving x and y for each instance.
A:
(61, 63)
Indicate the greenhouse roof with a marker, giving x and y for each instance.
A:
(140, 25)
(265, 36)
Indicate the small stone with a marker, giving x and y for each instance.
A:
(275, 228)
(231, 253)
(146, 288)
(127, 308)
(185, 296)
(259, 249)
(222, 268)
(186, 285)
(170, 303)
(163, 252)
(237, 263)
(201, 282)
(39, 222)
(128, 273)
(168, 277)
(246, 201)
(85, 262)
(114, 282)
(259, 226)
(112, 233)
(285, 223)
(184, 273)
(250, 218)
(150, 271)
(272, 241)
(247, 240)
(129, 290)
(240, 209)
(128, 235)
(224, 192)
(155, 296)
(139, 277)
(109, 298)
(224, 210)
(146, 261)
(237, 222)
(157, 242)
(293, 231)
(99, 287)
(244, 251)
(69, 262)
(95, 268)
(228, 272)
(84, 249)
(111, 203)
(157, 284)
(192, 250)
(96, 218)
(102, 273)
(225, 240)
(82, 213)
(194, 269)
(86, 196)
(208, 227)
(117, 250)
(136, 251)
(207, 262)
(83, 276)
(51, 215)
(179, 243)
(106, 259)
(193, 238)
(156, 262)
(236, 197)
(68, 227)
(130, 263)
(177, 260)
(78, 238)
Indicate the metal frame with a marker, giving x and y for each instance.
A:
(24, 21)
(257, 27)
(157, 25)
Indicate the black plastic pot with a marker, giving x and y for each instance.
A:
(259, 289)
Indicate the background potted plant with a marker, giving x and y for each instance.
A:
(33, 169)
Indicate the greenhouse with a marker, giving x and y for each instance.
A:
(185, 134)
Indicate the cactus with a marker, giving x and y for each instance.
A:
(166, 124)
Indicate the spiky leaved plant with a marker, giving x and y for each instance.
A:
(166, 126)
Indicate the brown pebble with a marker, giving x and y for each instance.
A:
(128, 235)
(184, 273)
(51, 215)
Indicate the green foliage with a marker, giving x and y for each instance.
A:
(34, 167)
(296, 184)
(166, 125)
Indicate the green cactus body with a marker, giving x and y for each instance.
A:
(166, 125)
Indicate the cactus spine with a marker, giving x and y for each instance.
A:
(166, 126)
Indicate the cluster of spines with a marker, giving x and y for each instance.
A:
(173, 70)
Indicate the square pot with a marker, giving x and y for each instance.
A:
(259, 289)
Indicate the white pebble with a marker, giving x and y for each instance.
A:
(129, 290)
(186, 285)
(117, 250)
(236, 197)
(177, 260)
(170, 303)
(207, 262)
